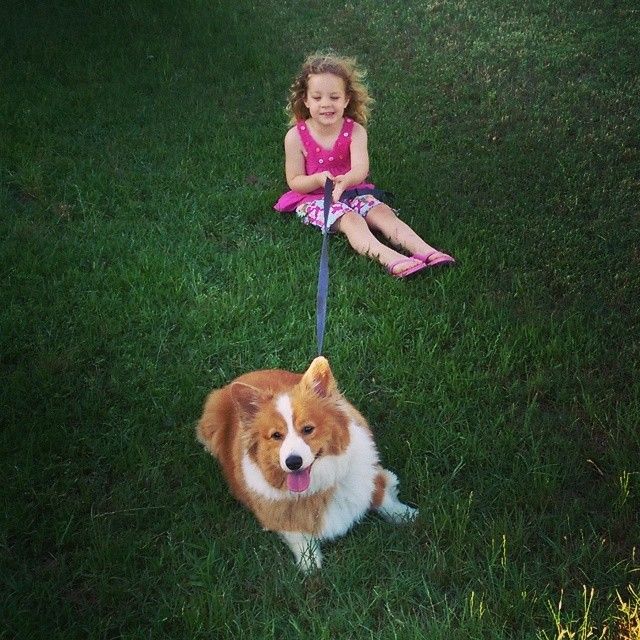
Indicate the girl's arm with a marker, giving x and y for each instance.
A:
(359, 163)
(297, 179)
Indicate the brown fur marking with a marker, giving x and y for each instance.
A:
(378, 492)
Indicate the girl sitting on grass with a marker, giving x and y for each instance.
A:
(329, 106)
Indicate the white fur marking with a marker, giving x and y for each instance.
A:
(256, 481)
(293, 444)
(353, 474)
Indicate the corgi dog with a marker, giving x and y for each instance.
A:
(297, 454)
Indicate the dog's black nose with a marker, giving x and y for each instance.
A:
(293, 462)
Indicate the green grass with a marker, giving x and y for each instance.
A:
(142, 265)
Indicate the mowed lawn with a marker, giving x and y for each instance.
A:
(143, 265)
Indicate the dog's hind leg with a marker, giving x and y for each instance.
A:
(305, 548)
(386, 501)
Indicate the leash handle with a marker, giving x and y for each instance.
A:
(323, 270)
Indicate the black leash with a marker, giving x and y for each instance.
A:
(323, 270)
(379, 194)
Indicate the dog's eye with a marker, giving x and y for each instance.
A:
(276, 435)
(306, 430)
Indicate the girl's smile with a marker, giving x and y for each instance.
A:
(326, 99)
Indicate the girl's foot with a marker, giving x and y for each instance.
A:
(405, 267)
(434, 258)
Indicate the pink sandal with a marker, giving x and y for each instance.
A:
(434, 258)
(410, 270)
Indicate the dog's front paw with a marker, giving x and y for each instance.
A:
(306, 550)
(310, 561)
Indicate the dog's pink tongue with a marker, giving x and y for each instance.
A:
(299, 481)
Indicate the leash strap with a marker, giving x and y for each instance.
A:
(380, 194)
(323, 270)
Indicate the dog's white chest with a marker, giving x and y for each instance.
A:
(355, 473)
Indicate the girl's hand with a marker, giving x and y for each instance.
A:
(322, 178)
(340, 185)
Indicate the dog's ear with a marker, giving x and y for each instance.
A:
(319, 379)
(248, 400)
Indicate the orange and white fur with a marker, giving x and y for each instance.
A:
(299, 456)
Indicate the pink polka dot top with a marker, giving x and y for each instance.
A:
(317, 159)
(336, 160)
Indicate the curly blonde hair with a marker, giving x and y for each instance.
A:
(345, 68)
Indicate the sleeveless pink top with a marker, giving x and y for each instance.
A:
(336, 160)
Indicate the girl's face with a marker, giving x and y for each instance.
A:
(326, 98)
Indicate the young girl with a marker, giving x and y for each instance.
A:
(329, 106)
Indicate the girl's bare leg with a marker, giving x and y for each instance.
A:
(364, 242)
(382, 218)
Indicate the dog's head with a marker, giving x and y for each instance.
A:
(286, 432)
